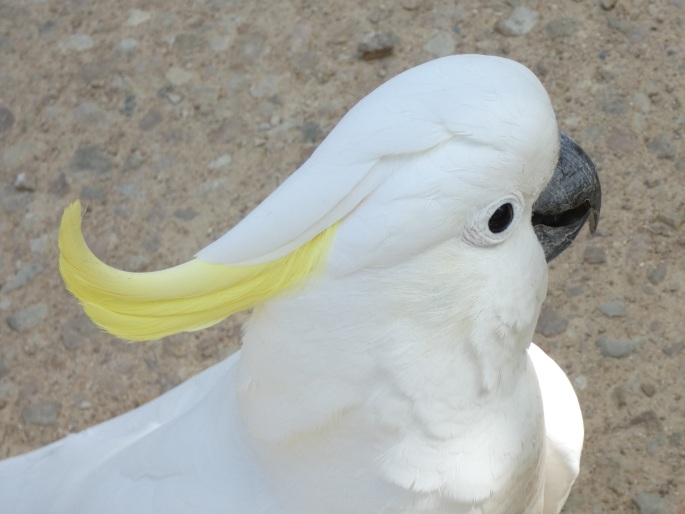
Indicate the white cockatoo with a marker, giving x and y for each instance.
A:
(396, 279)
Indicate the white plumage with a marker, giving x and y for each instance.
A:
(398, 379)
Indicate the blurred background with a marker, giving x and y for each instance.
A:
(170, 120)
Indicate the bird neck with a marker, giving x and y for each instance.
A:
(393, 376)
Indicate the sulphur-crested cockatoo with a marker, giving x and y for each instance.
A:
(396, 280)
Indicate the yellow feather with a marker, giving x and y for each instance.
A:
(191, 296)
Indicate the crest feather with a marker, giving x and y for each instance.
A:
(188, 297)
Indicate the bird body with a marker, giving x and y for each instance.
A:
(397, 374)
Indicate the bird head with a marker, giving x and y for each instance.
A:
(463, 149)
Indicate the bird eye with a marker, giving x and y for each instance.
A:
(501, 218)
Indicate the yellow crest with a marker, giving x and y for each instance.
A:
(191, 296)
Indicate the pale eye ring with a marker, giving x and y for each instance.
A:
(492, 224)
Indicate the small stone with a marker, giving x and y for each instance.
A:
(20, 153)
(521, 21)
(179, 76)
(266, 87)
(128, 105)
(24, 182)
(187, 44)
(310, 131)
(25, 274)
(648, 389)
(85, 405)
(595, 255)
(133, 161)
(618, 348)
(672, 219)
(91, 158)
(4, 369)
(131, 190)
(441, 45)
(185, 214)
(89, 114)
(649, 419)
(127, 45)
(674, 349)
(150, 120)
(613, 309)
(77, 42)
(28, 318)
(220, 162)
(580, 382)
(657, 275)
(136, 17)
(562, 27)
(550, 323)
(662, 147)
(612, 102)
(376, 45)
(42, 414)
(6, 120)
(608, 5)
(75, 331)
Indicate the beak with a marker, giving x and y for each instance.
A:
(572, 197)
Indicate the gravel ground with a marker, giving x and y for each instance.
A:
(172, 119)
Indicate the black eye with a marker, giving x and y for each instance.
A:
(501, 218)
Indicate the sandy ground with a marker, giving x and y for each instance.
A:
(172, 119)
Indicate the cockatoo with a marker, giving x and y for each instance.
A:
(396, 279)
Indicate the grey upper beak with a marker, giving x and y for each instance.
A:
(572, 196)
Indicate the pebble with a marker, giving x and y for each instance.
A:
(562, 27)
(220, 162)
(42, 414)
(618, 348)
(24, 275)
(185, 214)
(266, 87)
(613, 309)
(77, 42)
(4, 369)
(187, 44)
(20, 153)
(608, 5)
(648, 503)
(136, 17)
(648, 389)
(178, 76)
(376, 45)
(521, 21)
(75, 331)
(133, 161)
(6, 119)
(441, 45)
(595, 255)
(127, 45)
(311, 131)
(657, 275)
(672, 219)
(674, 349)
(612, 102)
(662, 147)
(24, 182)
(131, 190)
(550, 323)
(91, 158)
(90, 114)
(150, 120)
(28, 318)
(128, 105)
